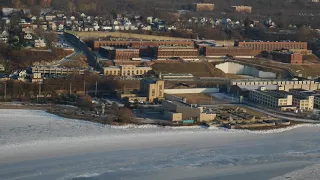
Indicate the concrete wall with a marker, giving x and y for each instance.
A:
(235, 68)
(191, 91)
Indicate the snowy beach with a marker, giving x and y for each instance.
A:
(38, 145)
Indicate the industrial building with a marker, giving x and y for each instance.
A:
(167, 52)
(178, 112)
(126, 70)
(287, 57)
(259, 46)
(221, 52)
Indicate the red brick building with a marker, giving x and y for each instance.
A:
(176, 52)
(259, 46)
(138, 44)
(287, 57)
(119, 54)
(220, 52)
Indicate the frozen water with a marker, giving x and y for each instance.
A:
(37, 145)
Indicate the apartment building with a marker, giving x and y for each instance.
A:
(272, 99)
(126, 70)
(152, 88)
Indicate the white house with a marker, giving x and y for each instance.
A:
(28, 36)
(39, 43)
(60, 27)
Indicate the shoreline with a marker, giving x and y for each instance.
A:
(54, 108)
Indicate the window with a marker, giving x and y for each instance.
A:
(153, 92)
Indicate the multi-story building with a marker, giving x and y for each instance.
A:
(152, 88)
(282, 99)
(203, 7)
(221, 52)
(259, 46)
(119, 54)
(306, 93)
(270, 98)
(242, 9)
(126, 70)
(175, 52)
(138, 44)
(287, 57)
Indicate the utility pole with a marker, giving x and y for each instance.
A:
(5, 91)
(84, 87)
(70, 89)
(95, 93)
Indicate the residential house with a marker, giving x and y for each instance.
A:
(39, 43)
(27, 36)
(50, 17)
(4, 36)
(61, 27)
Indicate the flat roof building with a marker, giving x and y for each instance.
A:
(167, 52)
(259, 46)
(138, 44)
(307, 93)
(281, 99)
(179, 111)
(119, 54)
(126, 70)
(221, 52)
(287, 57)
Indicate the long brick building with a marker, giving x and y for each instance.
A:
(237, 52)
(119, 54)
(138, 44)
(259, 46)
(176, 52)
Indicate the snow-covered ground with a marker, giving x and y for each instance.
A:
(36, 145)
